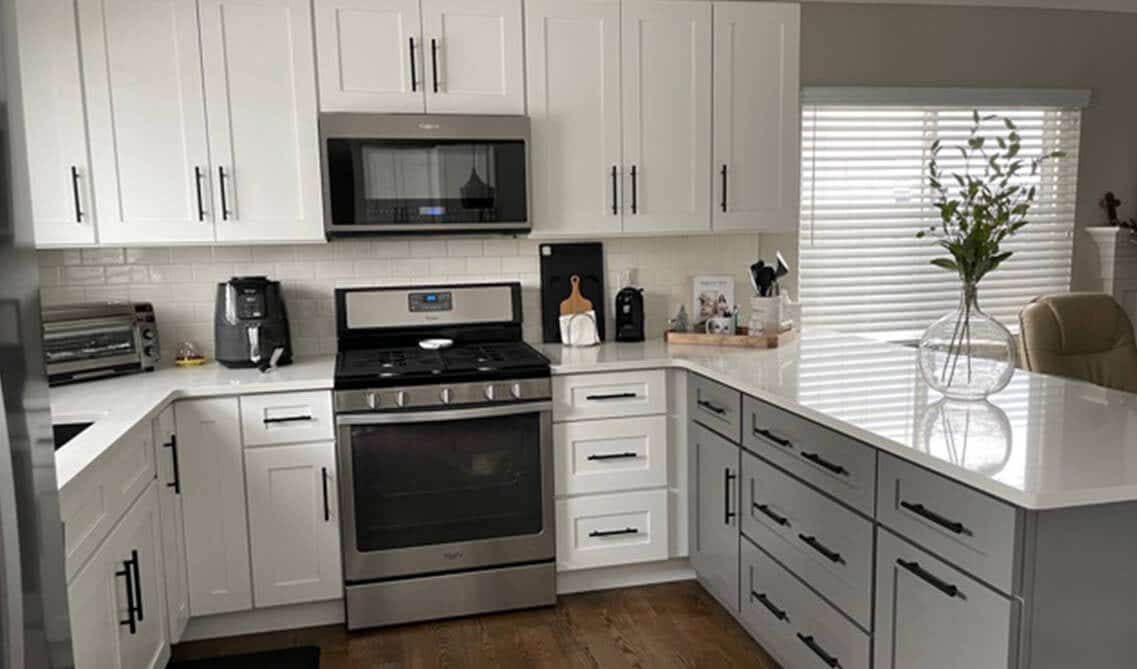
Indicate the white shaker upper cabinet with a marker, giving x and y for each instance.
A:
(757, 117)
(473, 56)
(667, 116)
(56, 131)
(146, 116)
(573, 57)
(370, 56)
(260, 85)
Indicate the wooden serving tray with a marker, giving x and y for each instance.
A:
(739, 340)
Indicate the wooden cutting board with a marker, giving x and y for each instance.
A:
(576, 303)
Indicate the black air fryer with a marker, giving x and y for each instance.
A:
(250, 323)
(630, 314)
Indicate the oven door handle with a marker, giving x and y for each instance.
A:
(443, 415)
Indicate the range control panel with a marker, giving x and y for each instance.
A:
(434, 301)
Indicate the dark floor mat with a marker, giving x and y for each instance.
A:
(306, 657)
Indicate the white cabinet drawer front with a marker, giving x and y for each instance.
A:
(804, 630)
(287, 418)
(716, 406)
(582, 396)
(611, 455)
(838, 465)
(607, 530)
(929, 614)
(963, 526)
(825, 544)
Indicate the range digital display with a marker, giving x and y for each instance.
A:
(440, 301)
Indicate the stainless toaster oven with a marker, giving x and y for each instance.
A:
(89, 341)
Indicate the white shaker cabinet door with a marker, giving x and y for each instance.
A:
(59, 172)
(213, 503)
(473, 55)
(138, 541)
(714, 538)
(146, 116)
(757, 116)
(667, 116)
(260, 84)
(173, 527)
(573, 69)
(294, 523)
(93, 607)
(370, 56)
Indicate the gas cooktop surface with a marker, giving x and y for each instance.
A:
(378, 367)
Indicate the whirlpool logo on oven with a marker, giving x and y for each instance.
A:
(452, 555)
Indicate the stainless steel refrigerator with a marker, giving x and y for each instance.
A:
(34, 627)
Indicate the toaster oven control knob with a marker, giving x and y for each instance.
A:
(490, 392)
(446, 395)
(515, 391)
(149, 351)
(147, 334)
(400, 399)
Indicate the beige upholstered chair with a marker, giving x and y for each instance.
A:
(1082, 335)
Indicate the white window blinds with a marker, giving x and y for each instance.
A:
(865, 195)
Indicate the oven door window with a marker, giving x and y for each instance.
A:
(377, 182)
(418, 484)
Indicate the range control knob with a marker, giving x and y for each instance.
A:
(515, 391)
(446, 395)
(373, 400)
(400, 399)
(490, 392)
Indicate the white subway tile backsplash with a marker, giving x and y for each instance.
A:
(484, 265)
(334, 269)
(232, 254)
(148, 256)
(428, 248)
(274, 253)
(191, 254)
(171, 273)
(129, 274)
(415, 267)
(102, 256)
(464, 247)
(500, 247)
(83, 275)
(392, 249)
(446, 266)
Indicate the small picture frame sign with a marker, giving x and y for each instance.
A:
(712, 297)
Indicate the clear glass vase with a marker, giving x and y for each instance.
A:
(967, 355)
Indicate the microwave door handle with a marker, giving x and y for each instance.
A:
(254, 333)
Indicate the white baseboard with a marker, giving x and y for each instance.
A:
(265, 620)
(607, 578)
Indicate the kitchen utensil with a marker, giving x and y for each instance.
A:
(576, 303)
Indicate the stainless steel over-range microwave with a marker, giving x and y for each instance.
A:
(409, 173)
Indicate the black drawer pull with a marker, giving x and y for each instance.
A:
(611, 396)
(324, 483)
(75, 194)
(613, 456)
(828, 659)
(615, 191)
(613, 533)
(825, 464)
(923, 512)
(931, 579)
(137, 584)
(781, 520)
(434, 63)
(717, 410)
(780, 614)
(723, 187)
(173, 446)
(812, 542)
(635, 197)
(224, 200)
(727, 478)
(127, 572)
(288, 419)
(197, 176)
(766, 434)
(414, 75)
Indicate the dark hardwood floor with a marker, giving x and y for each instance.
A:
(667, 625)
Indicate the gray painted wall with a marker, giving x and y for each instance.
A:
(909, 45)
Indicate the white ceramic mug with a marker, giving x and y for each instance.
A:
(720, 325)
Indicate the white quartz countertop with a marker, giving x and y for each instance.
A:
(117, 405)
(1042, 443)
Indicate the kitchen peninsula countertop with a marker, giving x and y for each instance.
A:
(1042, 443)
(118, 404)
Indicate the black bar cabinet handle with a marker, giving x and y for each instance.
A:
(613, 533)
(772, 515)
(137, 584)
(931, 579)
(825, 464)
(324, 482)
(727, 478)
(828, 659)
(434, 62)
(635, 198)
(778, 613)
(224, 201)
(128, 573)
(414, 76)
(173, 446)
(287, 419)
(766, 434)
(75, 193)
(723, 187)
(197, 184)
(611, 396)
(613, 456)
(812, 542)
(717, 410)
(615, 187)
(927, 514)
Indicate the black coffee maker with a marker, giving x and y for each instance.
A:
(250, 324)
(630, 314)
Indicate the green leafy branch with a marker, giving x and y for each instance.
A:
(979, 209)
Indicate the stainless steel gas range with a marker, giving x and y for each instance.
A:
(444, 445)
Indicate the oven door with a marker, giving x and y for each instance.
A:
(440, 491)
